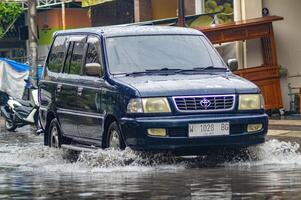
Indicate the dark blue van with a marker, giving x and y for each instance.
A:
(150, 88)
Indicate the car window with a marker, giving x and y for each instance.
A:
(215, 57)
(93, 51)
(92, 54)
(57, 54)
(139, 53)
(68, 58)
(76, 58)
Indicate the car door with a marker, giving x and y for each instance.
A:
(52, 69)
(91, 115)
(67, 87)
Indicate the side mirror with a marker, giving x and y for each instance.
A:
(93, 69)
(232, 64)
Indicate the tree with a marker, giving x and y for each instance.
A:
(9, 12)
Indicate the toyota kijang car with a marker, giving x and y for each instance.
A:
(149, 88)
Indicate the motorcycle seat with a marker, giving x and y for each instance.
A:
(23, 111)
(25, 103)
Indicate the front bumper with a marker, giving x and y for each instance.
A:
(134, 131)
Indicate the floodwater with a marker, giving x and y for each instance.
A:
(28, 170)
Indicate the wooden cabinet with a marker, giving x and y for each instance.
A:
(266, 77)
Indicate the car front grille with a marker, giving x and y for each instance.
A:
(209, 103)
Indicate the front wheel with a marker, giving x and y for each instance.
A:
(55, 138)
(114, 139)
(10, 126)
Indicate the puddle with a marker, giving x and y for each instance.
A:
(30, 170)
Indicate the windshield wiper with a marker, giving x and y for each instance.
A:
(136, 73)
(164, 71)
(167, 71)
(208, 67)
(201, 69)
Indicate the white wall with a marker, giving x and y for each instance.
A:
(43, 51)
(252, 48)
(288, 41)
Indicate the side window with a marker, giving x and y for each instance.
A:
(57, 54)
(68, 57)
(77, 58)
(93, 53)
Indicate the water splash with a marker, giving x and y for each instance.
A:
(109, 160)
(273, 152)
(28, 153)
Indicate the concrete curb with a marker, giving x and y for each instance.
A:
(285, 128)
(285, 122)
(284, 133)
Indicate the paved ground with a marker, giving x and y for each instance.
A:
(285, 128)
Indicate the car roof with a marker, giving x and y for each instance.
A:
(132, 30)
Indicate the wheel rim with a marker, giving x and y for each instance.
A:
(114, 140)
(8, 125)
(54, 137)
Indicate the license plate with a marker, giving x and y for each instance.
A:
(208, 129)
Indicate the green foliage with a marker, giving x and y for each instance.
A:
(9, 12)
(223, 6)
(202, 21)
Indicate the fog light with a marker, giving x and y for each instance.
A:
(254, 127)
(161, 132)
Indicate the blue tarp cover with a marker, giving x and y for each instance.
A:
(12, 76)
(20, 67)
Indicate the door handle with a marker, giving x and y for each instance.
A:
(59, 88)
(79, 91)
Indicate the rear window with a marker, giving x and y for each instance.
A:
(57, 54)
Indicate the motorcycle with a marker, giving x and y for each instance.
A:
(18, 112)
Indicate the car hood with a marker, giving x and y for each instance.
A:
(177, 85)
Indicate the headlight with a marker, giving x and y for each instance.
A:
(148, 105)
(250, 102)
(135, 106)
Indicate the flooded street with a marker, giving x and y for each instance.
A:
(28, 170)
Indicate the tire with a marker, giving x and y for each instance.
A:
(114, 138)
(54, 134)
(10, 126)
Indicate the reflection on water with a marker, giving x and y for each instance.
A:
(28, 170)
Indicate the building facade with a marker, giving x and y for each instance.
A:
(248, 53)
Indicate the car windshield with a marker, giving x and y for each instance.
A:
(147, 53)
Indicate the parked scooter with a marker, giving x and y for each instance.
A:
(18, 112)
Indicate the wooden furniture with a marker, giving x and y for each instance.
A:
(265, 76)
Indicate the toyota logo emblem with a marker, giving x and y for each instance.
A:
(205, 103)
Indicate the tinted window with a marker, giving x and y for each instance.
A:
(68, 58)
(92, 54)
(57, 54)
(140, 53)
(76, 58)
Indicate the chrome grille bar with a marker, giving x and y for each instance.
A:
(206, 103)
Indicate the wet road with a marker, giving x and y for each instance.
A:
(28, 170)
